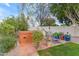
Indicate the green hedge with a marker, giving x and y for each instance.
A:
(7, 43)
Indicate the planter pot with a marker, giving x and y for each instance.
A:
(55, 38)
(67, 37)
(62, 37)
(25, 37)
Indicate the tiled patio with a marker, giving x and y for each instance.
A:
(32, 52)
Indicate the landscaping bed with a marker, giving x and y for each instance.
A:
(67, 49)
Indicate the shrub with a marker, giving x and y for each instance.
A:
(60, 34)
(37, 37)
(7, 43)
(11, 25)
(7, 29)
(55, 34)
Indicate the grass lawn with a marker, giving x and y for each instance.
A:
(67, 49)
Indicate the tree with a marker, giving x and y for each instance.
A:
(48, 22)
(30, 10)
(66, 13)
(22, 20)
(42, 12)
(37, 12)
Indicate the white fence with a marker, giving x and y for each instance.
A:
(73, 30)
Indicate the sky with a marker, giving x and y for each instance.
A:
(8, 10)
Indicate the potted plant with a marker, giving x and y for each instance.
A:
(61, 35)
(67, 37)
(55, 36)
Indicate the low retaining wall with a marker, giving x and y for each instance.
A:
(73, 30)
